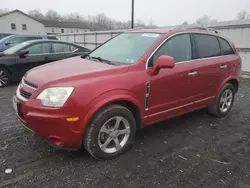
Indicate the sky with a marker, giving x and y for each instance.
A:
(160, 12)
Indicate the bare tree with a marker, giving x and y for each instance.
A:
(205, 20)
(243, 15)
(36, 13)
(73, 17)
(185, 23)
(52, 15)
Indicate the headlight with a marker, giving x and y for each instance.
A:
(55, 96)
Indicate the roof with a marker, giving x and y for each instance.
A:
(7, 13)
(64, 24)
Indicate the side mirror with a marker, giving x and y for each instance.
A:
(163, 62)
(23, 53)
(7, 43)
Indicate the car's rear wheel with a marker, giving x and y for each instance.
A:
(110, 133)
(5, 77)
(223, 102)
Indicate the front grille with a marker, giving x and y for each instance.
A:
(29, 84)
(25, 94)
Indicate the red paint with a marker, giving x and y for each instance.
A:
(172, 91)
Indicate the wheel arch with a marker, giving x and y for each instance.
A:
(232, 80)
(125, 100)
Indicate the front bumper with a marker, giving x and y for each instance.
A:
(50, 123)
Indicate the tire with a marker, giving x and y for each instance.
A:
(102, 130)
(216, 107)
(5, 77)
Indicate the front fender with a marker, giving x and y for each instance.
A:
(108, 98)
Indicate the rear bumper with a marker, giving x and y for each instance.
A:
(51, 124)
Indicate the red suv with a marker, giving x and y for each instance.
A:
(133, 80)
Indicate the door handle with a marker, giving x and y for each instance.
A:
(223, 66)
(192, 73)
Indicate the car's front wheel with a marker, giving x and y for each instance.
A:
(5, 78)
(223, 102)
(110, 133)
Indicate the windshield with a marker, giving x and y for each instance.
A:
(16, 48)
(126, 48)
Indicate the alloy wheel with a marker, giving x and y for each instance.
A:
(226, 100)
(114, 134)
(3, 78)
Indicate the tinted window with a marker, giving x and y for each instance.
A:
(178, 47)
(207, 46)
(73, 48)
(42, 48)
(23, 39)
(15, 40)
(60, 48)
(226, 48)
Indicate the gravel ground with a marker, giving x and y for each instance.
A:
(194, 150)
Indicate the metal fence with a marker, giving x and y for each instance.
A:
(89, 40)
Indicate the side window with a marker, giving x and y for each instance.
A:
(61, 48)
(43, 48)
(226, 48)
(23, 39)
(178, 47)
(14, 40)
(73, 48)
(207, 46)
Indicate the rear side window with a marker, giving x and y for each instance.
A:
(225, 47)
(42, 48)
(207, 46)
(178, 47)
(61, 48)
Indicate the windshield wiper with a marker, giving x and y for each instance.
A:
(102, 60)
(98, 58)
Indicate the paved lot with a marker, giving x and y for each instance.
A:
(195, 150)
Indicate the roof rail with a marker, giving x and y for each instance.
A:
(194, 27)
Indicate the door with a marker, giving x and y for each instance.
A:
(61, 51)
(39, 54)
(209, 73)
(171, 89)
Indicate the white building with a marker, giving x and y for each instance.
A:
(59, 27)
(17, 22)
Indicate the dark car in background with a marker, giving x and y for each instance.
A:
(12, 40)
(16, 61)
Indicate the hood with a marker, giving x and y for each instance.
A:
(71, 68)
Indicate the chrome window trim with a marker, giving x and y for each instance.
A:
(179, 33)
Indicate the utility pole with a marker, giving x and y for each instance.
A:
(132, 14)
